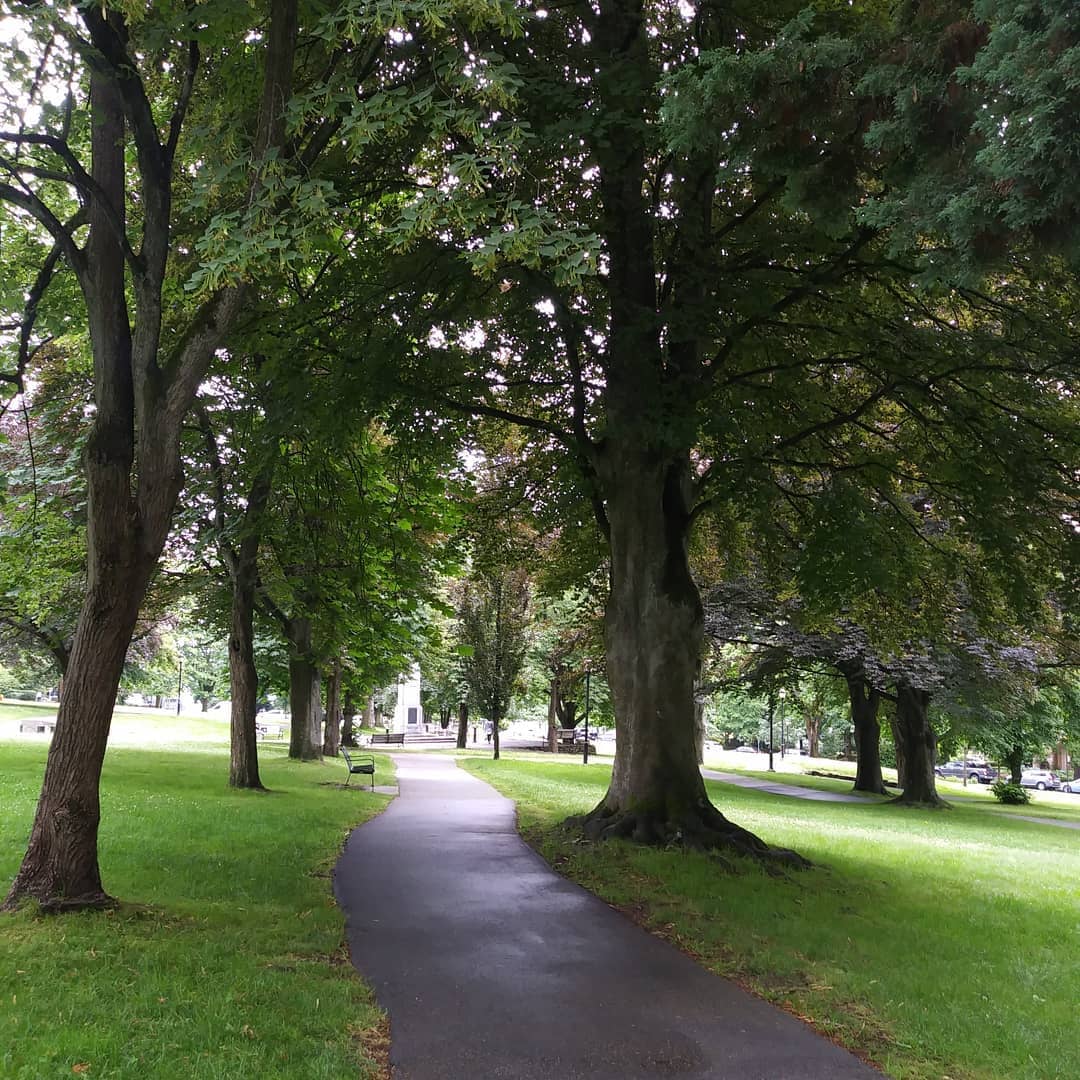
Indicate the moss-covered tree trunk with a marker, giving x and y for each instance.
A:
(654, 636)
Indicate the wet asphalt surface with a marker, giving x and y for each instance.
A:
(490, 965)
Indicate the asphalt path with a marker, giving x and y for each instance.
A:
(775, 788)
(492, 966)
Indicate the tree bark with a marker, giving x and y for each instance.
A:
(332, 729)
(60, 867)
(462, 725)
(304, 743)
(917, 737)
(243, 679)
(865, 702)
(699, 717)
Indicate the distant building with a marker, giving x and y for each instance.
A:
(408, 712)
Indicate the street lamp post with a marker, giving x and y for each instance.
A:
(783, 739)
(585, 755)
(771, 708)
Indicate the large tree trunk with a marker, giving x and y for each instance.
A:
(304, 705)
(243, 680)
(462, 725)
(865, 702)
(332, 730)
(654, 637)
(60, 867)
(914, 732)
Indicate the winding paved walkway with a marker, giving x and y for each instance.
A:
(775, 788)
(491, 966)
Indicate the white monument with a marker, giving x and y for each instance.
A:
(408, 712)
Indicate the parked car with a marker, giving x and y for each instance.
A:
(1043, 779)
(1072, 786)
(975, 771)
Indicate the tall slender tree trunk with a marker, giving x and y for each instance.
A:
(462, 725)
(138, 403)
(865, 702)
(304, 685)
(917, 737)
(495, 735)
(60, 867)
(332, 729)
(243, 680)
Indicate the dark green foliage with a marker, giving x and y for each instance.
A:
(1007, 792)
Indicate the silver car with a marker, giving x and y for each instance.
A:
(1043, 779)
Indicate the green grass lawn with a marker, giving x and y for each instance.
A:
(226, 957)
(936, 943)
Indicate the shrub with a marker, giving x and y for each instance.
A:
(1007, 792)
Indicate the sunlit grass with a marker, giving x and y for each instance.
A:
(938, 943)
(225, 959)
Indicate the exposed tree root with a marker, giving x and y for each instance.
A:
(59, 905)
(871, 788)
(701, 830)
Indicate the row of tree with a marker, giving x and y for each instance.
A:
(776, 298)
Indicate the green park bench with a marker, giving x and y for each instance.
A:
(364, 764)
(388, 738)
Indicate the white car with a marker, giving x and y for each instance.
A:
(1043, 779)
